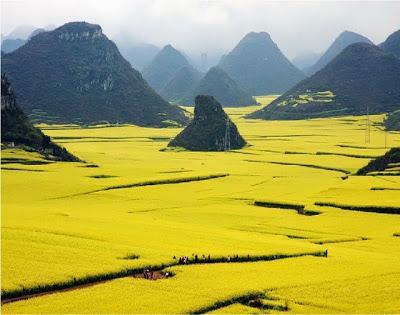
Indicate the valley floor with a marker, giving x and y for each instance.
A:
(134, 206)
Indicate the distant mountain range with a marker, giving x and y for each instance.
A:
(345, 39)
(21, 31)
(258, 66)
(17, 131)
(182, 83)
(306, 59)
(76, 74)
(392, 44)
(9, 43)
(164, 66)
(139, 55)
(218, 84)
(362, 78)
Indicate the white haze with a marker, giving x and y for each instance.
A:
(214, 27)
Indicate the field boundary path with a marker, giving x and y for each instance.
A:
(157, 273)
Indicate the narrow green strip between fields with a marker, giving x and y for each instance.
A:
(167, 181)
(326, 168)
(377, 209)
(77, 283)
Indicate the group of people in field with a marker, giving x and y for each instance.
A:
(197, 259)
(185, 260)
(148, 274)
(151, 275)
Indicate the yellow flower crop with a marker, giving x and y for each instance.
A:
(60, 221)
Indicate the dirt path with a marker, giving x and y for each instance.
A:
(155, 275)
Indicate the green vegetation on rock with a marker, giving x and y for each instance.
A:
(362, 79)
(392, 121)
(210, 130)
(16, 130)
(392, 44)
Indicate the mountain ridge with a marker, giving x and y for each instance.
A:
(85, 79)
(348, 85)
(344, 39)
(217, 83)
(257, 64)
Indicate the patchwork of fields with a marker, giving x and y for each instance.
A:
(133, 205)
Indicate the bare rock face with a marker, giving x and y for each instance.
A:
(210, 130)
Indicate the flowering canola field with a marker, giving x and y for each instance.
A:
(63, 222)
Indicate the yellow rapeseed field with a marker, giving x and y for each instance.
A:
(66, 221)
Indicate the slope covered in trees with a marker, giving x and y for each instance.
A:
(344, 40)
(76, 74)
(392, 44)
(363, 78)
(16, 130)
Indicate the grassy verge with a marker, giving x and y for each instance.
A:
(20, 169)
(283, 205)
(166, 181)
(343, 240)
(327, 168)
(377, 209)
(8, 296)
(23, 161)
(357, 156)
(242, 299)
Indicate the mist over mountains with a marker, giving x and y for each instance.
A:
(344, 40)
(259, 66)
(88, 79)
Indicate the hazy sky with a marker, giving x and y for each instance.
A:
(213, 25)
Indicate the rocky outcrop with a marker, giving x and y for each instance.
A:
(16, 130)
(210, 130)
